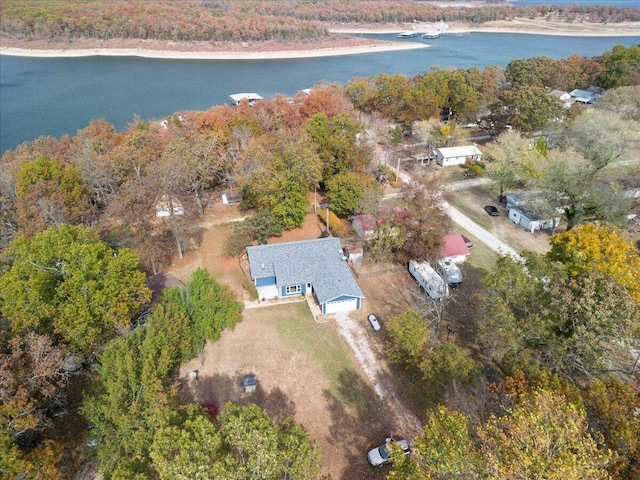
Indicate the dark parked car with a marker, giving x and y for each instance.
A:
(491, 210)
(467, 242)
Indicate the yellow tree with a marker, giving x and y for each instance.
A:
(543, 436)
(599, 248)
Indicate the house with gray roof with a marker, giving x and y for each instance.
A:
(316, 267)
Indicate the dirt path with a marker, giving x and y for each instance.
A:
(403, 421)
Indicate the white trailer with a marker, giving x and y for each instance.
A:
(449, 271)
(428, 279)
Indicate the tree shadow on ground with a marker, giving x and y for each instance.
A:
(220, 389)
(359, 423)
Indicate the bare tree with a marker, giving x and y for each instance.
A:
(432, 310)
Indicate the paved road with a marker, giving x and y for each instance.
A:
(486, 237)
(483, 235)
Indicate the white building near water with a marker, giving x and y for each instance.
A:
(457, 155)
(251, 98)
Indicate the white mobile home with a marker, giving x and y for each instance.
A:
(530, 221)
(428, 279)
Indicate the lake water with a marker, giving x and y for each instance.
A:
(53, 96)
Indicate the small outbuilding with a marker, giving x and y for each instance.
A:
(455, 248)
(169, 205)
(354, 254)
(457, 155)
(249, 383)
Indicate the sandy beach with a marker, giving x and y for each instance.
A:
(333, 47)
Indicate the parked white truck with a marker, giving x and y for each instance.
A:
(449, 271)
(428, 279)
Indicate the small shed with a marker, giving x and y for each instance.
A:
(231, 199)
(457, 155)
(167, 204)
(354, 253)
(249, 383)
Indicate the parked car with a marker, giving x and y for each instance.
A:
(467, 242)
(373, 320)
(491, 210)
(382, 455)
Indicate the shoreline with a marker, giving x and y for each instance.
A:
(177, 51)
(212, 55)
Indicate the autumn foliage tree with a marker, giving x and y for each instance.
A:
(68, 283)
(543, 436)
(48, 195)
(426, 222)
(591, 247)
(32, 382)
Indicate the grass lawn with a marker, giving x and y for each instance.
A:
(320, 342)
(463, 201)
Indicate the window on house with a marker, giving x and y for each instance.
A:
(292, 289)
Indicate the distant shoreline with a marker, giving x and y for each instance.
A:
(212, 55)
(354, 46)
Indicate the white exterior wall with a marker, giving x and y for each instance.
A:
(428, 279)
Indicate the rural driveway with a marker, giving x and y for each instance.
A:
(486, 237)
(398, 419)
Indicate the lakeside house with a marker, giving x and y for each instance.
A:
(250, 98)
(564, 97)
(588, 96)
(308, 267)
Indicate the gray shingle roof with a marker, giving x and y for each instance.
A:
(309, 261)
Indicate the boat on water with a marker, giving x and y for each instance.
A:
(411, 34)
(431, 35)
(461, 34)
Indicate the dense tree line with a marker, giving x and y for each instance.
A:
(114, 182)
(530, 426)
(236, 21)
(175, 21)
(515, 96)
